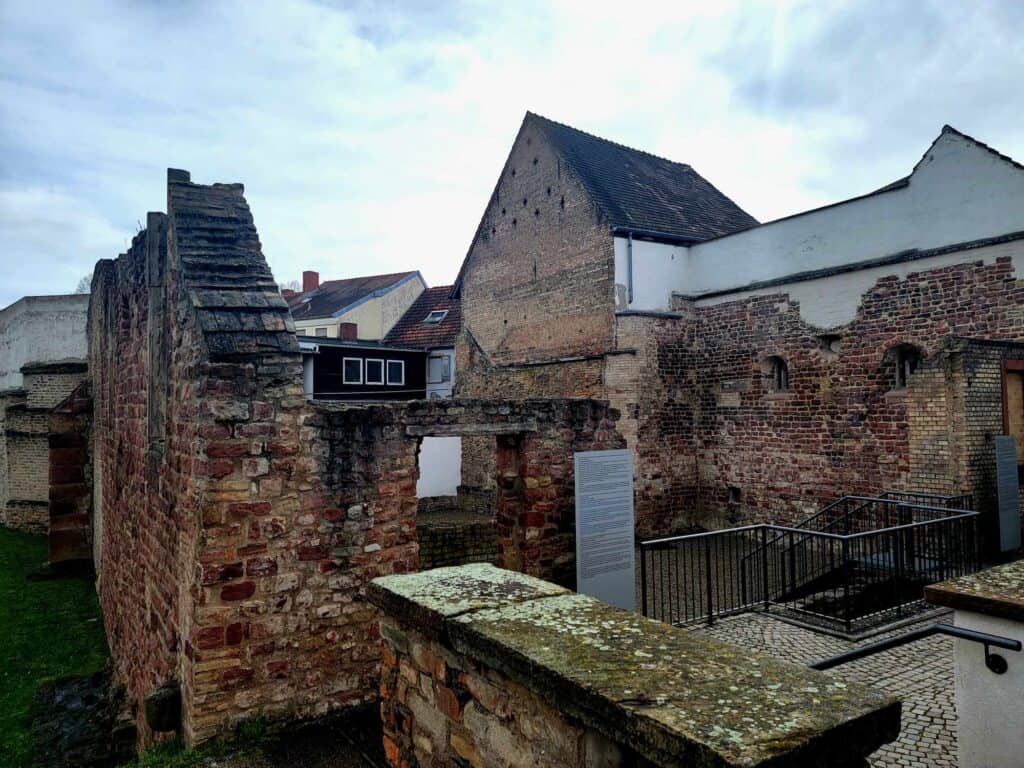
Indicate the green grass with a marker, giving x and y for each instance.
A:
(243, 748)
(48, 629)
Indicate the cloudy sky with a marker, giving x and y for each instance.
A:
(369, 135)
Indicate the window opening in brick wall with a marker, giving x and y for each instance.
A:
(907, 358)
(779, 371)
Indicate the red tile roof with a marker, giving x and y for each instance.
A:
(411, 331)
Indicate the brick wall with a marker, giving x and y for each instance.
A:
(744, 452)
(24, 421)
(539, 278)
(238, 524)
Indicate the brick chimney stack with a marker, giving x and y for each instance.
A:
(348, 331)
(310, 281)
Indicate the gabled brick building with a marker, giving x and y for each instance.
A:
(761, 369)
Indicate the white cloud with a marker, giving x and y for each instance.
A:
(369, 135)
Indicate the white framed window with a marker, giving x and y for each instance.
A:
(321, 332)
(300, 332)
(396, 373)
(374, 371)
(352, 370)
(438, 369)
(435, 317)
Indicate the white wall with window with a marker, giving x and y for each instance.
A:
(440, 372)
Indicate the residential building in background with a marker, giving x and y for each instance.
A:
(432, 323)
(373, 303)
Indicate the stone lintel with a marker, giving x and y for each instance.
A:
(466, 430)
(675, 699)
(997, 592)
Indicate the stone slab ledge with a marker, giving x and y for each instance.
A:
(673, 698)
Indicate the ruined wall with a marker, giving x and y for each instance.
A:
(194, 378)
(842, 426)
(237, 524)
(25, 452)
(70, 478)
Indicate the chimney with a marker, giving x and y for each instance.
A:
(310, 281)
(348, 331)
(287, 292)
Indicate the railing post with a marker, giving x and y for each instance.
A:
(764, 567)
(643, 581)
(846, 584)
(707, 578)
(899, 573)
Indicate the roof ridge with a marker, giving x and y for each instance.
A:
(608, 141)
(947, 128)
(367, 277)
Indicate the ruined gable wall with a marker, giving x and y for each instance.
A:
(840, 428)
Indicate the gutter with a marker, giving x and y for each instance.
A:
(652, 234)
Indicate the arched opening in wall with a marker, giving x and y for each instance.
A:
(455, 519)
(776, 371)
(902, 362)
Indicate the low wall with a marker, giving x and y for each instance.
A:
(451, 537)
(486, 667)
(990, 720)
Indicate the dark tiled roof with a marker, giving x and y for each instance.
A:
(230, 285)
(411, 331)
(335, 295)
(642, 191)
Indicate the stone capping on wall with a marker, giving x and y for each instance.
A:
(997, 592)
(69, 365)
(645, 685)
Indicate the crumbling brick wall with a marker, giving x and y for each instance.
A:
(237, 524)
(70, 479)
(746, 453)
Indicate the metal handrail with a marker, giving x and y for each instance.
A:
(993, 661)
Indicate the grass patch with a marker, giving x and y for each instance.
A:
(48, 629)
(242, 749)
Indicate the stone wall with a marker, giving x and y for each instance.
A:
(538, 281)
(24, 441)
(70, 536)
(484, 667)
(237, 525)
(715, 441)
(197, 388)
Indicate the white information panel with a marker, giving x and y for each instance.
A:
(604, 527)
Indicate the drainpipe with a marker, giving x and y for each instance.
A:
(629, 271)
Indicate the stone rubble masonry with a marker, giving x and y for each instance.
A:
(24, 436)
(236, 524)
(483, 667)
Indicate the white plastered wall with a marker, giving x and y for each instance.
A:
(960, 192)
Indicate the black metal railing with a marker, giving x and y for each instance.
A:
(870, 561)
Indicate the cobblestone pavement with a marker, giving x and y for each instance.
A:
(921, 674)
